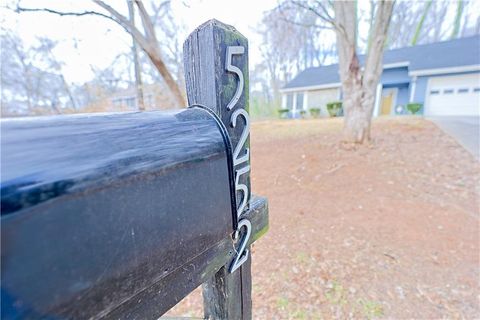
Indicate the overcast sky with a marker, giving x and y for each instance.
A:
(91, 40)
(94, 41)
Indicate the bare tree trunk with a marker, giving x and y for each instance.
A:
(147, 42)
(66, 86)
(359, 88)
(153, 52)
(136, 63)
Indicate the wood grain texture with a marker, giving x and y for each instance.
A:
(208, 83)
(226, 295)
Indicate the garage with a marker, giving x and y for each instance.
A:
(453, 95)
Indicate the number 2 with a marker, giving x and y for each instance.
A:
(242, 254)
(243, 138)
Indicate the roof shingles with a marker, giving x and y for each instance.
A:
(446, 54)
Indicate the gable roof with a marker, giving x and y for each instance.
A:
(439, 55)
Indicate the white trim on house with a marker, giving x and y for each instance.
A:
(396, 65)
(428, 72)
(412, 89)
(317, 87)
(378, 98)
(393, 65)
(338, 84)
(294, 107)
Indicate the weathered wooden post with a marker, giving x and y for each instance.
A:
(216, 75)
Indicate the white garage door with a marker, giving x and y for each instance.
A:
(453, 96)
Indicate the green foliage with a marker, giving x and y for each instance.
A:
(315, 112)
(302, 257)
(458, 18)
(299, 314)
(336, 294)
(418, 29)
(371, 309)
(283, 112)
(303, 113)
(414, 107)
(334, 108)
(282, 303)
(261, 109)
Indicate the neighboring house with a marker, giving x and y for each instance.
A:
(443, 76)
(154, 97)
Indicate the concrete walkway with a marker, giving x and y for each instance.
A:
(466, 130)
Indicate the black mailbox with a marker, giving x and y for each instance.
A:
(96, 208)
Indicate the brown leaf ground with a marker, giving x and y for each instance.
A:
(388, 230)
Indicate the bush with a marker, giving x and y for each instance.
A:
(414, 107)
(335, 108)
(302, 113)
(283, 112)
(315, 112)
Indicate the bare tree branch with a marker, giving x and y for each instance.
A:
(125, 23)
(157, 9)
(300, 24)
(305, 25)
(147, 42)
(305, 6)
(60, 13)
(147, 23)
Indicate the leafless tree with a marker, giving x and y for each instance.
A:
(424, 22)
(136, 61)
(358, 85)
(31, 78)
(288, 46)
(147, 40)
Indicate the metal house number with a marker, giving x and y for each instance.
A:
(239, 159)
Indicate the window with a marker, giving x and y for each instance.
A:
(117, 102)
(476, 89)
(290, 101)
(462, 90)
(148, 101)
(432, 92)
(448, 91)
(299, 105)
(130, 102)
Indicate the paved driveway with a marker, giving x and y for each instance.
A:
(466, 130)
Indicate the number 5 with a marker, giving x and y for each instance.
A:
(228, 63)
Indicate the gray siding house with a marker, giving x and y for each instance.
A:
(443, 76)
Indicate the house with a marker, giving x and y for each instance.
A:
(444, 77)
(154, 97)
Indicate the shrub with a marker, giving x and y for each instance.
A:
(315, 112)
(414, 107)
(335, 108)
(283, 112)
(303, 113)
